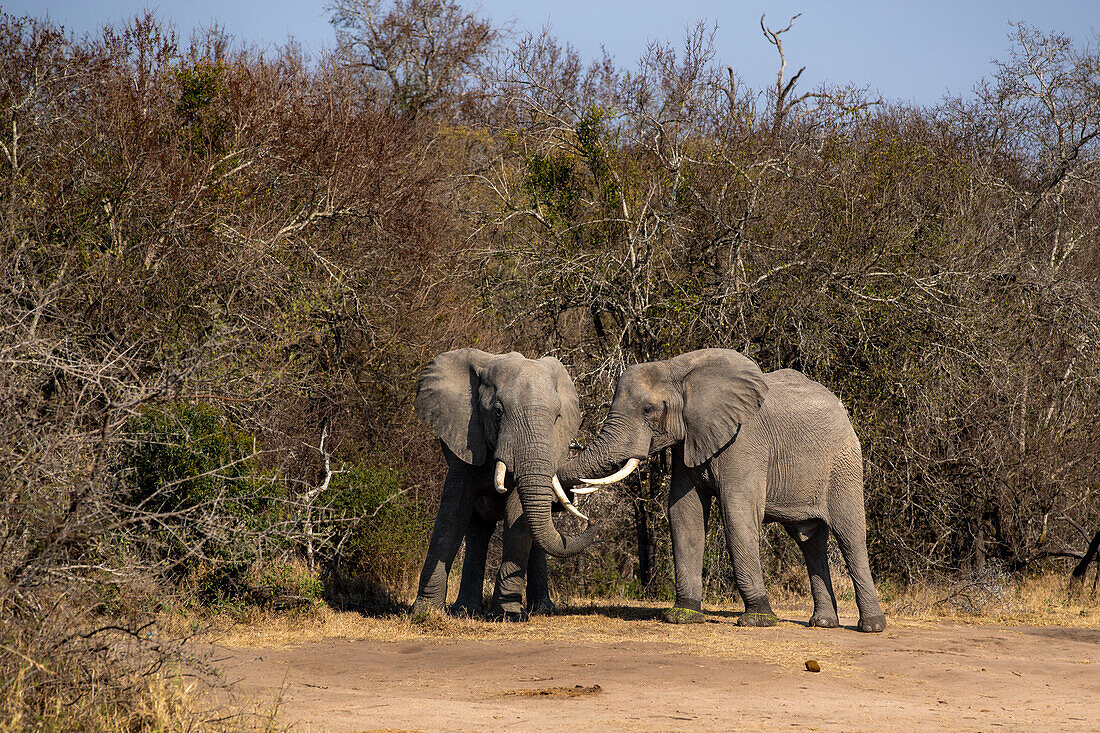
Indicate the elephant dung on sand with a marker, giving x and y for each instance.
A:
(505, 423)
(774, 447)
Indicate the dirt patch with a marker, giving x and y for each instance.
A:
(543, 676)
(574, 691)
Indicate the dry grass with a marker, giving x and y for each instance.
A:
(611, 623)
(68, 669)
(989, 598)
(1046, 600)
(163, 702)
(171, 704)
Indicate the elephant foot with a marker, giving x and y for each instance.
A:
(872, 624)
(422, 608)
(508, 616)
(543, 607)
(755, 618)
(467, 609)
(677, 615)
(824, 622)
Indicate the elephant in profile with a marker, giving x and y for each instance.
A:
(505, 422)
(774, 447)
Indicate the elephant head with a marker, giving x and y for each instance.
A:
(518, 414)
(699, 399)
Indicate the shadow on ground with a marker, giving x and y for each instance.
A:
(364, 597)
(626, 613)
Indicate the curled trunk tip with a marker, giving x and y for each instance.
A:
(537, 501)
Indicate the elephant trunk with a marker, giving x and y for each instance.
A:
(603, 456)
(534, 472)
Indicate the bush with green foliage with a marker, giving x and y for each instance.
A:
(387, 529)
(210, 508)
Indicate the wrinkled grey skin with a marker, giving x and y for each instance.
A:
(487, 408)
(774, 447)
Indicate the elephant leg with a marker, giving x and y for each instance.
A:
(848, 521)
(472, 586)
(813, 541)
(742, 520)
(688, 512)
(538, 584)
(455, 508)
(512, 577)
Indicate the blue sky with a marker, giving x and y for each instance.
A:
(917, 50)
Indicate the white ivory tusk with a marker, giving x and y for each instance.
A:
(575, 512)
(565, 500)
(498, 478)
(617, 476)
(582, 490)
(560, 491)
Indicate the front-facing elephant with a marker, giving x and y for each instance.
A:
(774, 447)
(505, 423)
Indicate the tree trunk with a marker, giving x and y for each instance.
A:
(979, 547)
(1083, 566)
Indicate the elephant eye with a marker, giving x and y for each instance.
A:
(498, 409)
(649, 409)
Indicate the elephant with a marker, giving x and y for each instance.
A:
(504, 424)
(775, 447)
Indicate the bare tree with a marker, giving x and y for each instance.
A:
(428, 50)
(1046, 103)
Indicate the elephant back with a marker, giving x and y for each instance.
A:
(798, 410)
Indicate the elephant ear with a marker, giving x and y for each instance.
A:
(722, 389)
(447, 401)
(569, 420)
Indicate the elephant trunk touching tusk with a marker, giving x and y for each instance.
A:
(617, 476)
(498, 477)
(536, 486)
(565, 500)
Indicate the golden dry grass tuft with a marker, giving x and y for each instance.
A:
(70, 669)
(1043, 600)
(168, 703)
(162, 703)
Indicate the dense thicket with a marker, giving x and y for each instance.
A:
(935, 267)
(224, 267)
(221, 271)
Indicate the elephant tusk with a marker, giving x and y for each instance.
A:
(576, 512)
(580, 491)
(617, 476)
(565, 500)
(498, 478)
(560, 491)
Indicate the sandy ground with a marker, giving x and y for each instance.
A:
(622, 670)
